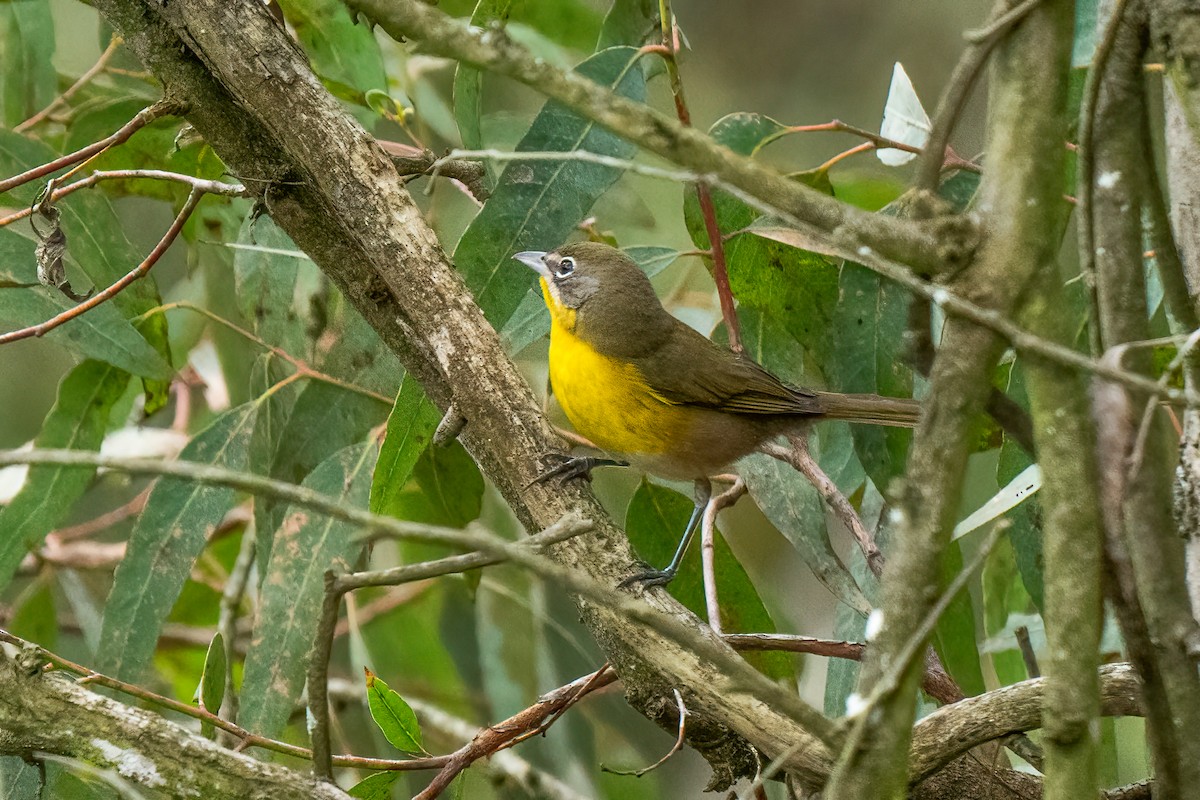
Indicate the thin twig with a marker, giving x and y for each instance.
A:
(1004, 15)
(1085, 168)
(800, 459)
(137, 273)
(708, 535)
(675, 748)
(163, 108)
(83, 80)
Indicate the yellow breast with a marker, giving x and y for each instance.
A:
(608, 401)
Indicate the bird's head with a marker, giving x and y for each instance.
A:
(592, 281)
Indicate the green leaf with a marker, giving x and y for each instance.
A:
(783, 495)
(28, 82)
(446, 488)
(866, 353)
(35, 614)
(468, 81)
(531, 320)
(793, 506)
(265, 283)
(410, 428)
(212, 679)
(170, 534)
(537, 204)
(1003, 594)
(306, 546)
(341, 51)
(629, 22)
(375, 787)
(78, 421)
(954, 637)
(101, 334)
(326, 417)
(1025, 521)
(654, 523)
(841, 677)
(393, 716)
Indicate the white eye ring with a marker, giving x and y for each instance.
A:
(565, 267)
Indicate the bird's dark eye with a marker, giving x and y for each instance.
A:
(566, 266)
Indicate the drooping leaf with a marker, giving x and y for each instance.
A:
(446, 488)
(410, 428)
(1003, 594)
(537, 204)
(27, 81)
(306, 546)
(327, 417)
(211, 691)
(170, 534)
(866, 354)
(393, 716)
(954, 637)
(797, 510)
(1025, 521)
(266, 281)
(468, 81)
(35, 615)
(78, 421)
(531, 320)
(654, 523)
(1084, 45)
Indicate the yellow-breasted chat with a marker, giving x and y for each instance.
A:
(648, 389)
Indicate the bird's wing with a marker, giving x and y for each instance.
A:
(690, 370)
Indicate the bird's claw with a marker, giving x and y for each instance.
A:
(571, 467)
(648, 578)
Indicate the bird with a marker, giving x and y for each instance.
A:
(653, 392)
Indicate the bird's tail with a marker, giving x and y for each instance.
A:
(871, 408)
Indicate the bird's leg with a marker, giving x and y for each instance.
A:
(573, 467)
(661, 577)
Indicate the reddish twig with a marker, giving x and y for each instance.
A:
(669, 51)
(84, 80)
(135, 274)
(529, 722)
(163, 108)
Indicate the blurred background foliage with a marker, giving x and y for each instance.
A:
(479, 646)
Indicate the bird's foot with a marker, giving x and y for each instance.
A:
(648, 578)
(570, 467)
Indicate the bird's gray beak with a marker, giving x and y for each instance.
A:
(536, 261)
